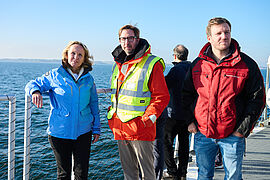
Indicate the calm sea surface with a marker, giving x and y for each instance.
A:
(104, 161)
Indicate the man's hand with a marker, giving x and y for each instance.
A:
(149, 121)
(235, 133)
(37, 99)
(192, 128)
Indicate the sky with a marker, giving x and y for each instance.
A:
(41, 29)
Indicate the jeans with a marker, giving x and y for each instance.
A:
(232, 150)
(63, 150)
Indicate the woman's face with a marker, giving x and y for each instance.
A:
(75, 57)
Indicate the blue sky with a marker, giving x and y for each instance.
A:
(40, 29)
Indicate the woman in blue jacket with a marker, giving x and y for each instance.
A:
(74, 115)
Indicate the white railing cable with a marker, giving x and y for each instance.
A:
(27, 131)
(11, 134)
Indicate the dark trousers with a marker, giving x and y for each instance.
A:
(173, 128)
(63, 150)
(158, 149)
(218, 157)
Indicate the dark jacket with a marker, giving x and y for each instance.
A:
(175, 81)
(225, 97)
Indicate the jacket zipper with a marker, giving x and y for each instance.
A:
(228, 75)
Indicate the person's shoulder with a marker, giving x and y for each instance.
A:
(159, 63)
(185, 63)
(51, 72)
(181, 65)
(196, 60)
(55, 69)
(89, 76)
(250, 62)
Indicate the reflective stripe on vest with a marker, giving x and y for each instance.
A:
(134, 95)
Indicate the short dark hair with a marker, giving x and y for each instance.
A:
(216, 21)
(133, 28)
(181, 52)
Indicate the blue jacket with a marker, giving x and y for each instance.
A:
(74, 105)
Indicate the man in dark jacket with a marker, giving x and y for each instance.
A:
(175, 124)
(223, 97)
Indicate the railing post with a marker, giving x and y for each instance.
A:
(266, 120)
(27, 131)
(11, 137)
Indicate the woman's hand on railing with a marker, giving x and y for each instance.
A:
(37, 99)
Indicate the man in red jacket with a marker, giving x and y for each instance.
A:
(139, 95)
(223, 97)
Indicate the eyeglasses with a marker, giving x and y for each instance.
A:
(130, 39)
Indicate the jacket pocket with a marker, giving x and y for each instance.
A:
(133, 126)
(85, 111)
(233, 81)
(200, 79)
(86, 119)
(59, 121)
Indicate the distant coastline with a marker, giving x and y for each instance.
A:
(57, 61)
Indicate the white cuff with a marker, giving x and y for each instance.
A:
(153, 118)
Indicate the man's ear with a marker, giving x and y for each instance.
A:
(208, 38)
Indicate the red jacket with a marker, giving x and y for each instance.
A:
(225, 97)
(141, 128)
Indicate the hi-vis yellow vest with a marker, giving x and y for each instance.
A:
(134, 95)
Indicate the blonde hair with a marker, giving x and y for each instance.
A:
(87, 63)
(216, 21)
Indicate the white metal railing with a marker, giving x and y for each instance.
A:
(11, 134)
(27, 133)
(266, 91)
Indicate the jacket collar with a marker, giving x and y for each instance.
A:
(63, 71)
(142, 49)
(233, 55)
(182, 62)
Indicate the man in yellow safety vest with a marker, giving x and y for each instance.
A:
(139, 95)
